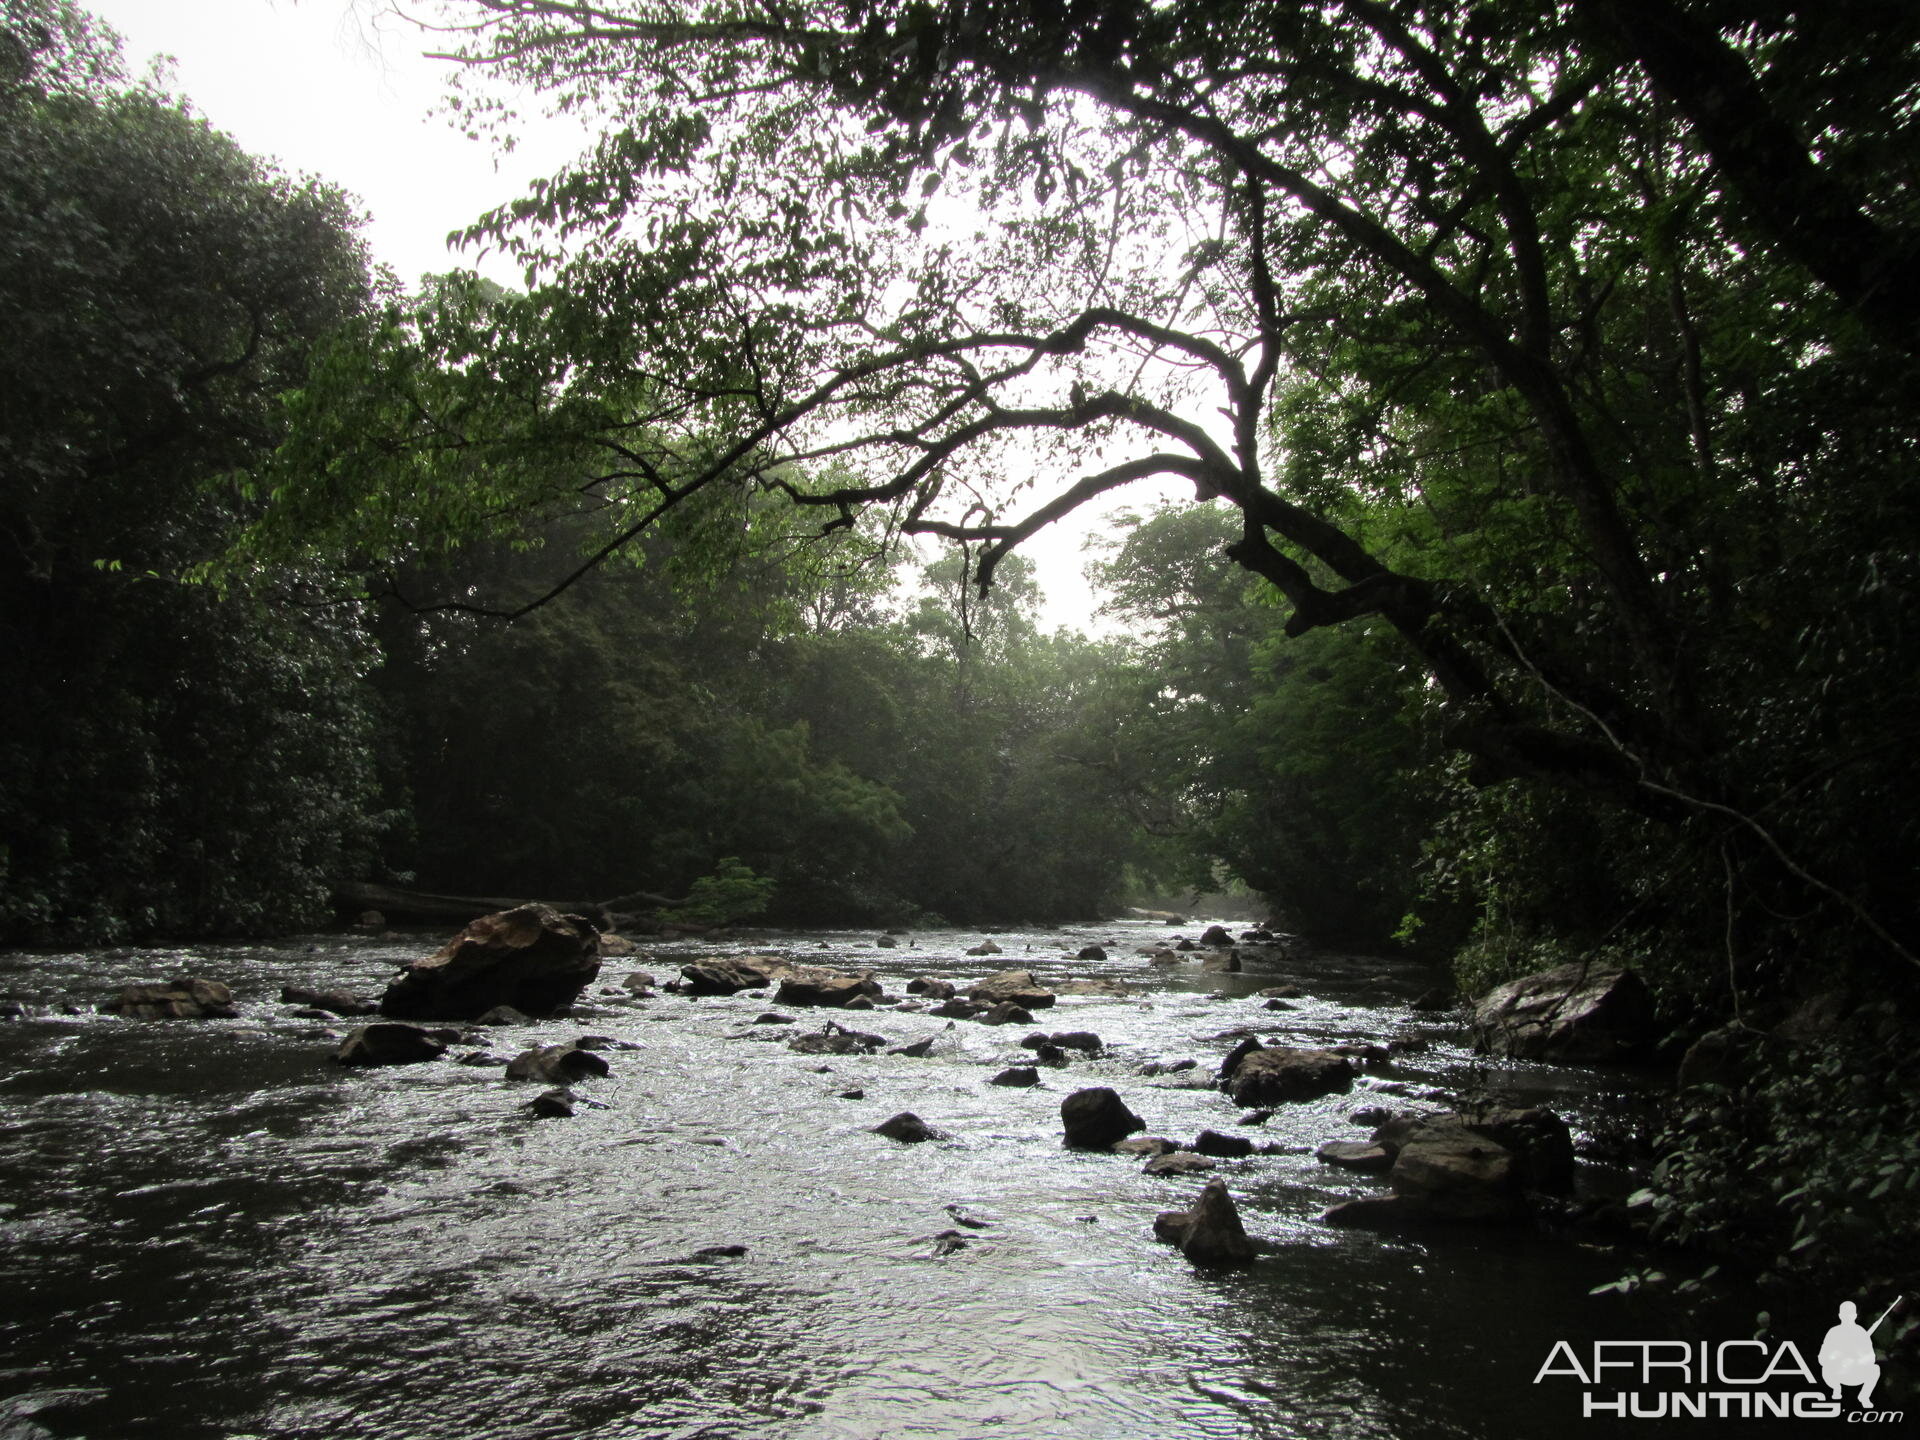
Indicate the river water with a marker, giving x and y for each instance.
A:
(230, 1236)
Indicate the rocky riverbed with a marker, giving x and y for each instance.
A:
(212, 1228)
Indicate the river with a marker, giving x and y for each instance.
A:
(229, 1236)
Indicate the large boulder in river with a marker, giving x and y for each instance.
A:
(1274, 1074)
(728, 974)
(531, 957)
(187, 998)
(807, 985)
(1097, 1119)
(1017, 986)
(1578, 1012)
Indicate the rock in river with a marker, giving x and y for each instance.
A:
(1015, 986)
(556, 1064)
(187, 998)
(1575, 1013)
(1210, 1233)
(907, 1128)
(1096, 1118)
(1271, 1075)
(334, 1002)
(532, 958)
(390, 1043)
(807, 985)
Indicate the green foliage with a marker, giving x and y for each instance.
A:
(731, 894)
(170, 761)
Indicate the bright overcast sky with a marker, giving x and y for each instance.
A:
(340, 89)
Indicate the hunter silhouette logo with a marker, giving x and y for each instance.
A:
(1846, 1355)
(1754, 1379)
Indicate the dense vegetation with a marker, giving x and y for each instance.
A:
(1544, 371)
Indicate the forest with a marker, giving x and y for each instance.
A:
(1544, 375)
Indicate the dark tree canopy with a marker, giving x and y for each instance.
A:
(1580, 368)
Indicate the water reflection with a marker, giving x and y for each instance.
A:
(233, 1238)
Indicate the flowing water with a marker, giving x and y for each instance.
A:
(228, 1235)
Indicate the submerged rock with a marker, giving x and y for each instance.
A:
(532, 958)
(1177, 1162)
(1097, 1118)
(837, 1040)
(1210, 1233)
(931, 988)
(1006, 1012)
(334, 1002)
(393, 1043)
(553, 1105)
(1019, 1076)
(187, 998)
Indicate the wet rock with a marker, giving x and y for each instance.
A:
(1216, 935)
(931, 988)
(1362, 1053)
(640, 982)
(730, 974)
(1279, 1075)
(553, 1105)
(1179, 1162)
(830, 988)
(949, 1242)
(1222, 962)
(18, 1412)
(1017, 987)
(1234, 1058)
(907, 1128)
(1082, 1040)
(503, 1015)
(1256, 1117)
(718, 1252)
(187, 998)
(613, 947)
(1210, 1233)
(1438, 998)
(1280, 992)
(482, 1059)
(1006, 1012)
(393, 1043)
(1164, 1067)
(1226, 1147)
(1457, 1175)
(958, 1009)
(773, 1017)
(859, 1002)
(887, 942)
(606, 1042)
(334, 1002)
(1164, 958)
(1184, 944)
(837, 1040)
(1409, 1045)
(1051, 1055)
(1371, 1115)
(1097, 1118)
(1145, 1145)
(532, 958)
(854, 1094)
(985, 947)
(1575, 1013)
(1019, 1076)
(960, 1217)
(556, 1064)
(915, 1049)
(1279, 1004)
(1091, 952)
(1362, 1155)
